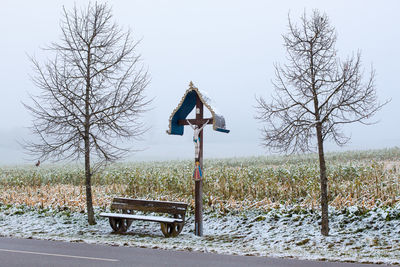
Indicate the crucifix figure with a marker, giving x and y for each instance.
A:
(197, 174)
(196, 137)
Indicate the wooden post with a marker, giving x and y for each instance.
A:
(198, 215)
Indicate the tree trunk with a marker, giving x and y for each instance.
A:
(88, 174)
(88, 184)
(323, 182)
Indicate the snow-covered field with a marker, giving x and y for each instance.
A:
(357, 235)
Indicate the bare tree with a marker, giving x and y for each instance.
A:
(315, 95)
(92, 93)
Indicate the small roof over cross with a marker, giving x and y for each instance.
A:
(178, 117)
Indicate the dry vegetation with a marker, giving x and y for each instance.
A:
(366, 179)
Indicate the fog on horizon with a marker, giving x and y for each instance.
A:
(227, 48)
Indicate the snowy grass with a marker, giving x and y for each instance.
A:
(357, 234)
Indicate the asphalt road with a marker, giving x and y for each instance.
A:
(30, 252)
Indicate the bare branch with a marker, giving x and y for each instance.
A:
(315, 86)
(93, 53)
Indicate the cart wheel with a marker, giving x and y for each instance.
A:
(119, 225)
(171, 229)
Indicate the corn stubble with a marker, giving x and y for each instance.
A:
(365, 179)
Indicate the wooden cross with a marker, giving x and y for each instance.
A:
(195, 98)
(198, 121)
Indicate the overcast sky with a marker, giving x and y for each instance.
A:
(227, 48)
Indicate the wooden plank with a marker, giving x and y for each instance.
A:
(154, 203)
(151, 205)
(141, 217)
(149, 208)
(197, 121)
